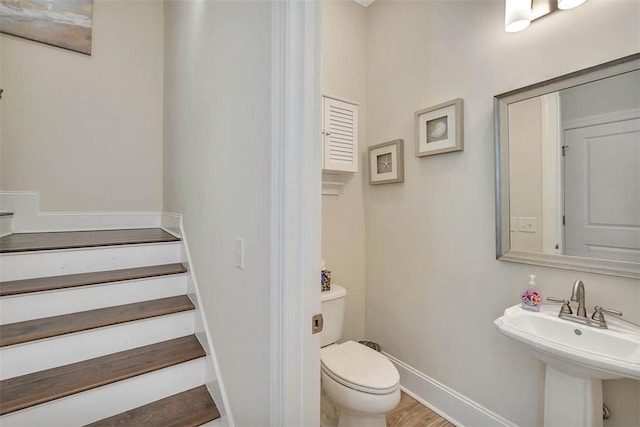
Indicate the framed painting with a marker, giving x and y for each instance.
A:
(63, 23)
(386, 162)
(439, 128)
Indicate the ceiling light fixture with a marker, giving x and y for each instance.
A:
(518, 14)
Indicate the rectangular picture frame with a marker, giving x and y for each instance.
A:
(386, 162)
(439, 129)
(64, 24)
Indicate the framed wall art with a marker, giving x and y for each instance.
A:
(386, 162)
(65, 24)
(439, 129)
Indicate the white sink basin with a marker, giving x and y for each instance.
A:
(575, 349)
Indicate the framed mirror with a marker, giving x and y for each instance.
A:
(568, 171)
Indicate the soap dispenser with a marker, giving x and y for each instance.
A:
(531, 296)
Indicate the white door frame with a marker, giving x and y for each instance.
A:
(296, 159)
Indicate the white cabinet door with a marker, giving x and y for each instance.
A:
(340, 136)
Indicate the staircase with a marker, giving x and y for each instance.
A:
(96, 328)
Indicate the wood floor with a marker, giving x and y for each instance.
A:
(190, 408)
(47, 327)
(411, 413)
(24, 242)
(40, 284)
(39, 387)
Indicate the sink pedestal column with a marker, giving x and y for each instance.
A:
(571, 401)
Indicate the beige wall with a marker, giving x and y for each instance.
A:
(344, 75)
(217, 155)
(434, 286)
(525, 171)
(86, 131)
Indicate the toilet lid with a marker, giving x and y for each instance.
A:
(359, 367)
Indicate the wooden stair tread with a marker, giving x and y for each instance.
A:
(15, 287)
(31, 330)
(26, 242)
(187, 409)
(40, 387)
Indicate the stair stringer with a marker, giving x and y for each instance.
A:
(213, 378)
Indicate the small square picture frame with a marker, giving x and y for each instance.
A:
(439, 129)
(386, 162)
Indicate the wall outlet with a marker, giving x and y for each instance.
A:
(526, 224)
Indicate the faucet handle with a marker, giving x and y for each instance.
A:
(566, 308)
(597, 314)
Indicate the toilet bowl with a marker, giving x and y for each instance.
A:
(359, 384)
(362, 384)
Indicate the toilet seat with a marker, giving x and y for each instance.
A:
(360, 368)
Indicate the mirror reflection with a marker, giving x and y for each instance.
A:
(574, 170)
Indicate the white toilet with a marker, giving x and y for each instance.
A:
(359, 385)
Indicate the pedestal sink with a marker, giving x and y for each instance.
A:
(577, 359)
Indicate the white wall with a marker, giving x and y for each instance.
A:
(612, 95)
(217, 174)
(86, 131)
(344, 75)
(431, 241)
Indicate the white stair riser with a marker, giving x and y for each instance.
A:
(102, 402)
(27, 265)
(52, 303)
(39, 355)
(5, 225)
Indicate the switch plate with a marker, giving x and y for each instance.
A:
(239, 252)
(527, 224)
(513, 226)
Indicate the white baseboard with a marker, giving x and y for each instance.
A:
(449, 404)
(170, 222)
(6, 226)
(27, 217)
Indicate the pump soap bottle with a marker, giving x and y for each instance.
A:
(531, 296)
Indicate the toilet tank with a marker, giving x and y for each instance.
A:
(332, 308)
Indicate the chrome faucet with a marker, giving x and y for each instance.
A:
(597, 320)
(578, 295)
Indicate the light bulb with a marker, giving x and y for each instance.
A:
(517, 15)
(569, 4)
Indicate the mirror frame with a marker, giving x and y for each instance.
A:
(500, 104)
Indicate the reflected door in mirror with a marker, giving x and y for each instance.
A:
(602, 190)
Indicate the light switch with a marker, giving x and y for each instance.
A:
(513, 226)
(240, 253)
(527, 224)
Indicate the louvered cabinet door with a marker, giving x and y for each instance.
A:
(340, 129)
